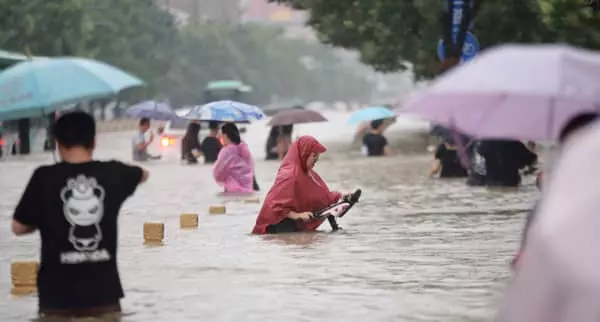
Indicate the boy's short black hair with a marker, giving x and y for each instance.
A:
(75, 129)
(376, 124)
(213, 125)
(144, 121)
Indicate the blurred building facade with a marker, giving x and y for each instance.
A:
(187, 11)
(240, 11)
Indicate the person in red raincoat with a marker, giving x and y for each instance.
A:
(298, 191)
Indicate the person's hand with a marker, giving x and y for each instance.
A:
(304, 216)
(150, 136)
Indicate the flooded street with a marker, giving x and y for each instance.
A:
(413, 249)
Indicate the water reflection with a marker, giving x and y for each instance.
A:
(413, 249)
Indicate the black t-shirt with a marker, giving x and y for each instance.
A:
(210, 149)
(450, 162)
(75, 208)
(375, 144)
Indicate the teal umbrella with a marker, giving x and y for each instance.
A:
(371, 114)
(37, 87)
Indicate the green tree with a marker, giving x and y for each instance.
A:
(46, 28)
(389, 33)
(261, 57)
(134, 35)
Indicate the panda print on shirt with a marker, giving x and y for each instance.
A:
(83, 208)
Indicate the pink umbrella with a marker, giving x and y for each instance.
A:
(296, 116)
(514, 91)
(558, 279)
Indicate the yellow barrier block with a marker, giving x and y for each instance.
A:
(24, 277)
(252, 200)
(217, 210)
(154, 233)
(188, 220)
(23, 290)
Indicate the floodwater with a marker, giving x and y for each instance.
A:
(413, 249)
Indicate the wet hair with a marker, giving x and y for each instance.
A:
(232, 132)
(576, 123)
(144, 121)
(287, 129)
(376, 124)
(274, 133)
(192, 130)
(75, 129)
(213, 125)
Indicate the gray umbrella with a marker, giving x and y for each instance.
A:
(296, 116)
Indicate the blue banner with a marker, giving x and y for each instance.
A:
(457, 8)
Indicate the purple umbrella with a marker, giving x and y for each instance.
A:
(296, 116)
(526, 92)
(153, 110)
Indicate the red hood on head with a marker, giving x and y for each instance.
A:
(300, 151)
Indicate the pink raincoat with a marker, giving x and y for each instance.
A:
(234, 168)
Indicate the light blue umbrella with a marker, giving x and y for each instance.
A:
(371, 114)
(153, 110)
(36, 87)
(225, 111)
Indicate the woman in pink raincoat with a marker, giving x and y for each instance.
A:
(234, 168)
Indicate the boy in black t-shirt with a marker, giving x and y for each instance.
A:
(374, 143)
(75, 204)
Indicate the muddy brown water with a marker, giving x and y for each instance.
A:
(413, 249)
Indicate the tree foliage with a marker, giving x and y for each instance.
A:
(390, 33)
(176, 61)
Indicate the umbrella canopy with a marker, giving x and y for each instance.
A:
(296, 116)
(514, 91)
(225, 111)
(36, 87)
(153, 110)
(371, 114)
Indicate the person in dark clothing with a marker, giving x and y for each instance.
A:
(477, 172)
(577, 123)
(278, 142)
(211, 145)
(75, 206)
(374, 143)
(190, 144)
(270, 148)
(446, 162)
(503, 159)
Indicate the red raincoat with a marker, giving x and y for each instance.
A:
(296, 188)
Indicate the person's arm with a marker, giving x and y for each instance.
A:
(143, 143)
(27, 214)
(436, 166)
(360, 132)
(387, 149)
(304, 216)
(221, 167)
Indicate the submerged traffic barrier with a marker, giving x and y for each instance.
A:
(24, 277)
(154, 233)
(217, 210)
(252, 200)
(188, 221)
